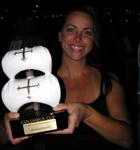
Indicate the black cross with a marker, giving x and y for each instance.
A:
(23, 53)
(28, 87)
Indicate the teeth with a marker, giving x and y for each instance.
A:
(76, 47)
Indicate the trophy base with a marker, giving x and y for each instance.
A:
(38, 122)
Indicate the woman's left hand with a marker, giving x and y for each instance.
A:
(77, 113)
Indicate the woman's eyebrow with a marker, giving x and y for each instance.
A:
(86, 28)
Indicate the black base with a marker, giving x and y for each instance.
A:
(39, 122)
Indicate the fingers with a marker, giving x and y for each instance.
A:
(7, 118)
(73, 118)
(60, 107)
(18, 140)
(11, 115)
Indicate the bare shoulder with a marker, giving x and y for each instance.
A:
(117, 88)
(116, 102)
(116, 94)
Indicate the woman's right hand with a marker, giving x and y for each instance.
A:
(9, 116)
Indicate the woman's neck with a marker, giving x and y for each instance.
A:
(72, 69)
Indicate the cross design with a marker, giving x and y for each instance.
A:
(23, 53)
(28, 87)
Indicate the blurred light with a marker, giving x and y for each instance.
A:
(37, 6)
(1, 17)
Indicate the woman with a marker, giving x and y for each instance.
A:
(98, 117)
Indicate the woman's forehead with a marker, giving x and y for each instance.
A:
(79, 17)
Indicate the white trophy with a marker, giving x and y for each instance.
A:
(32, 96)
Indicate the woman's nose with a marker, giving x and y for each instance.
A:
(78, 36)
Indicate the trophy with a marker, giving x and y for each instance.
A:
(33, 96)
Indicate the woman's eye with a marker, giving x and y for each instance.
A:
(89, 33)
(69, 29)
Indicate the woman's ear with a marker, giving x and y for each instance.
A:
(59, 36)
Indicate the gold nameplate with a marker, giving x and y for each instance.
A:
(41, 126)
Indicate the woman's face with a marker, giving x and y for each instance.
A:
(77, 35)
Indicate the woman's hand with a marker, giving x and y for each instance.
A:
(77, 113)
(9, 116)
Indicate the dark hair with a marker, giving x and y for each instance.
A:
(93, 58)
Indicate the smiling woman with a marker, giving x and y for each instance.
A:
(94, 99)
(78, 37)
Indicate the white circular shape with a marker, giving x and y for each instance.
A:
(37, 58)
(43, 89)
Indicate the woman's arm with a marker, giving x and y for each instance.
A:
(117, 127)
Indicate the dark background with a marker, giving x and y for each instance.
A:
(37, 21)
